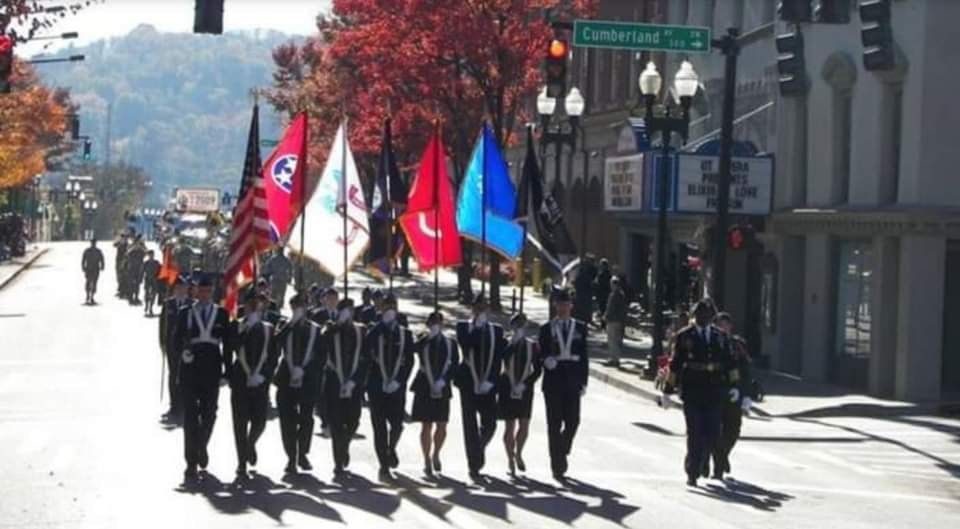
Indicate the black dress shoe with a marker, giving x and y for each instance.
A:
(252, 455)
(304, 463)
(475, 476)
(203, 458)
(560, 478)
(190, 474)
(291, 467)
(241, 470)
(718, 475)
(339, 472)
(691, 481)
(384, 475)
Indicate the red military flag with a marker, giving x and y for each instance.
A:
(429, 222)
(251, 229)
(283, 177)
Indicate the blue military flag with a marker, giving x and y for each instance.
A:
(487, 188)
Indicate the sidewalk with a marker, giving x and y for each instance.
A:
(9, 270)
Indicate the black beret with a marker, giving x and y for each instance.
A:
(205, 280)
(434, 317)
(377, 294)
(562, 295)
(330, 291)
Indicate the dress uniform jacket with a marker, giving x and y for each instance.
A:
(438, 358)
(483, 349)
(253, 351)
(300, 345)
(346, 366)
(703, 366)
(572, 369)
(390, 351)
(201, 332)
(520, 367)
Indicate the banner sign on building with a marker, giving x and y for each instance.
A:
(751, 189)
(623, 184)
(198, 200)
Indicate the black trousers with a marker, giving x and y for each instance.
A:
(563, 419)
(295, 407)
(249, 407)
(91, 284)
(479, 424)
(343, 418)
(199, 416)
(386, 416)
(703, 428)
(173, 388)
(731, 418)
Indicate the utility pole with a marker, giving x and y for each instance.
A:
(730, 48)
(106, 143)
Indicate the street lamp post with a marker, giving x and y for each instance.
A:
(574, 105)
(684, 87)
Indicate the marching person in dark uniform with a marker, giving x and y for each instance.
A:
(298, 383)
(202, 331)
(390, 350)
(251, 362)
(151, 283)
(438, 358)
(325, 312)
(134, 269)
(703, 367)
(515, 391)
(120, 263)
(169, 318)
(483, 344)
(563, 355)
(366, 312)
(732, 415)
(344, 377)
(92, 264)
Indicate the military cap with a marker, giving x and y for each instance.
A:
(390, 299)
(298, 300)
(562, 295)
(205, 280)
(434, 317)
(330, 291)
(377, 294)
(345, 303)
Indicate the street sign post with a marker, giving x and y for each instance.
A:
(630, 36)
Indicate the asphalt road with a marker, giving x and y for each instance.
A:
(81, 446)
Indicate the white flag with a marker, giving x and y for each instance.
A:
(324, 240)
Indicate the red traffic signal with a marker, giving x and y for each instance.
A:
(555, 67)
(6, 63)
(738, 237)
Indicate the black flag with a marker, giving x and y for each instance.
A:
(547, 231)
(389, 193)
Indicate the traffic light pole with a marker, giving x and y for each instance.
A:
(730, 48)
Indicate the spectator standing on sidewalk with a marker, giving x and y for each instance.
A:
(615, 316)
(601, 285)
(583, 290)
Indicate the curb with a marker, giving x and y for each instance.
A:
(623, 385)
(43, 251)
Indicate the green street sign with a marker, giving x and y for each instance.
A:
(631, 36)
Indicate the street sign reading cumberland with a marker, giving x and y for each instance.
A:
(630, 36)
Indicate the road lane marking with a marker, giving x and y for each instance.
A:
(842, 463)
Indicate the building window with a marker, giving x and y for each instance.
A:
(842, 128)
(894, 134)
(853, 316)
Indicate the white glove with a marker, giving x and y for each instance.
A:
(485, 387)
(550, 363)
(224, 381)
(297, 373)
(438, 386)
(746, 404)
(255, 380)
(520, 388)
(583, 391)
(391, 387)
(734, 394)
(187, 356)
(347, 390)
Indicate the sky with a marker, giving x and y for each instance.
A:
(111, 18)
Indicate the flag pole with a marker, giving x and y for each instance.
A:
(436, 219)
(483, 212)
(343, 186)
(303, 204)
(391, 213)
(525, 195)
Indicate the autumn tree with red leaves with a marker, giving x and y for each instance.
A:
(460, 61)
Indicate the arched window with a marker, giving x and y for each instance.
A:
(840, 73)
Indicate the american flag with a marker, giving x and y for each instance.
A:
(251, 226)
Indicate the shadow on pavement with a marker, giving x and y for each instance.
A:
(744, 493)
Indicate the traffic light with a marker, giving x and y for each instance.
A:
(876, 33)
(791, 64)
(74, 127)
(796, 10)
(208, 17)
(6, 63)
(555, 67)
(740, 237)
(87, 156)
(832, 12)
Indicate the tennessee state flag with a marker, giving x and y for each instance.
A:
(283, 178)
(429, 222)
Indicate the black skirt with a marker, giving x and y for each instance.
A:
(509, 408)
(429, 409)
